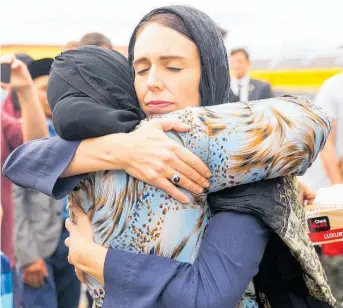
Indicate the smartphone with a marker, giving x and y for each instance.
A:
(5, 73)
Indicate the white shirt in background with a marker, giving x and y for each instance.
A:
(243, 84)
(330, 98)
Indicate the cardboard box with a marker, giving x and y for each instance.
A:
(324, 223)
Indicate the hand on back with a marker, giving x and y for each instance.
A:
(154, 158)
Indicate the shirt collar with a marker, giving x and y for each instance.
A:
(243, 81)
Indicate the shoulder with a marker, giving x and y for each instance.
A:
(332, 85)
(334, 81)
(331, 90)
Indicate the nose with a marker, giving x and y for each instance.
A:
(154, 81)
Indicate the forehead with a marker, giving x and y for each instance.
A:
(239, 56)
(157, 40)
(41, 81)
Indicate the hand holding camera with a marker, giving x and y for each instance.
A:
(14, 74)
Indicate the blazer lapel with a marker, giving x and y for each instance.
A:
(251, 91)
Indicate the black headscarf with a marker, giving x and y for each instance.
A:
(215, 78)
(91, 94)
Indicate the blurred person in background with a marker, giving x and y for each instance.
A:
(70, 45)
(6, 295)
(13, 133)
(223, 32)
(3, 95)
(96, 39)
(327, 171)
(243, 88)
(11, 103)
(49, 280)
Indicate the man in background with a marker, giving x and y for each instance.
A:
(70, 45)
(242, 87)
(96, 39)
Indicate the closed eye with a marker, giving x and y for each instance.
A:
(142, 72)
(175, 69)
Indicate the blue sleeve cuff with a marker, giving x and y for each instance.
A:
(38, 165)
(118, 269)
(229, 257)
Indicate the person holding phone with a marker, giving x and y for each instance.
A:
(10, 98)
(14, 132)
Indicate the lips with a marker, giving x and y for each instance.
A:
(158, 107)
(158, 104)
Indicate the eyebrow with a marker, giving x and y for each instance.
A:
(167, 57)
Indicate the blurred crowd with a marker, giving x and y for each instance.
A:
(36, 261)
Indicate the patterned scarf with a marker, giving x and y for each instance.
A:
(290, 274)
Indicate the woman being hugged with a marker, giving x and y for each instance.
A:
(179, 61)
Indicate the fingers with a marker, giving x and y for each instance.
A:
(309, 195)
(167, 125)
(309, 198)
(195, 163)
(78, 213)
(172, 190)
(80, 275)
(185, 182)
(69, 260)
(45, 272)
(11, 60)
(32, 279)
(67, 241)
(40, 278)
(6, 86)
(16, 64)
(69, 224)
(196, 179)
(7, 59)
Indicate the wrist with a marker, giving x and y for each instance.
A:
(336, 176)
(26, 93)
(115, 152)
(92, 261)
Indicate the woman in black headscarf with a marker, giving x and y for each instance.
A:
(208, 96)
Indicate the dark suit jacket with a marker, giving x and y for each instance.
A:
(257, 90)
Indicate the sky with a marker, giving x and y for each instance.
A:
(267, 28)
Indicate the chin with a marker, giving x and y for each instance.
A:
(152, 113)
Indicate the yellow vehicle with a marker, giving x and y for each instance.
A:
(287, 76)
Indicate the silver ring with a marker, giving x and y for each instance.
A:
(176, 179)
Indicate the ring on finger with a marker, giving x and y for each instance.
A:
(176, 178)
